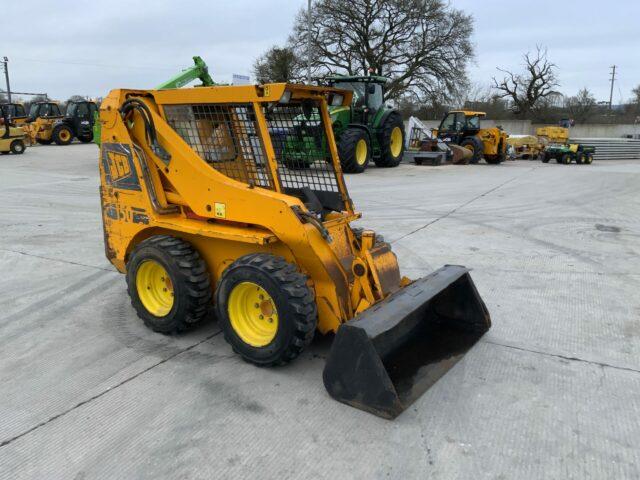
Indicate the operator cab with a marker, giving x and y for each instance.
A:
(368, 91)
(44, 110)
(13, 110)
(460, 123)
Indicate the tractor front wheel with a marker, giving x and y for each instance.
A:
(267, 311)
(168, 284)
(474, 144)
(589, 159)
(391, 138)
(354, 150)
(62, 135)
(566, 158)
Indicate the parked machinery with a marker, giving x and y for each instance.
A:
(12, 138)
(200, 206)
(77, 123)
(581, 154)
(463, 127)
(15, 112)
(40, 121)
(367, 129)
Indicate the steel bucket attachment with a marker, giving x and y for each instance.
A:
(393, 352)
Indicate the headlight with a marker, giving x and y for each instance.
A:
(84, 122)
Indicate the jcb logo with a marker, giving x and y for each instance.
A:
(119, 166)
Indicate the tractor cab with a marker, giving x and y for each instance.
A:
(368, 95)
(459, 124)
(43, 110)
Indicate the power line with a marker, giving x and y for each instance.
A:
(100, 65)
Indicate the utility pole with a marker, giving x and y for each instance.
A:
(613, 80)
(5, 63)
(309, 42)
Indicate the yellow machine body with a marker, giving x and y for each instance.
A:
(9, 136)
(213, 174)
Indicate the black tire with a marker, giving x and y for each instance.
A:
(42, 141)
(544, 158)
(348, 150)
(87, 139)
(580, 158)
(589, 159)
(62, 135)
(188, 275)
(566, 158)
(476, 146)
(387, 159)
(17, 147)
(294, 302)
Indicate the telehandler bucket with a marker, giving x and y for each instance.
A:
(394, 351)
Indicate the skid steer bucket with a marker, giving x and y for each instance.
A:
(393, 352)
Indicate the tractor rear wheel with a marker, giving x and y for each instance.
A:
(17, 147)
(168, 284)
(474, 144)
(589, 159)
(354, 150)
(580, 158)
(544, 158)
(267, 311)
(62, 135)
(566, 158)
(391, 139)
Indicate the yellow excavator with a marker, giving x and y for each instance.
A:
(201, 211)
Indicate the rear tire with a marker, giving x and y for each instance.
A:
(354, 150)
(566, 159)
(391, 139)
(580, 158)
(62, 135)
(188, 282)
(279, 334)
(589, 159)
(17, 147)
(544, 158)
(475, 145)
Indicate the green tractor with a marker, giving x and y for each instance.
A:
(581, 154)
(367, 130)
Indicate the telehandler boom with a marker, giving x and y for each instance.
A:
(200, 210)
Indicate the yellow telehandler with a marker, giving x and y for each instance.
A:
(200, 209)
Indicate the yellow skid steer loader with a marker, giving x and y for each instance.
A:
(201, 207)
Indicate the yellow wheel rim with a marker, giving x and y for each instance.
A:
(253, 314)
(470, 147)
(396, 141)
(361, 151)
(64, 135)
(155, 289)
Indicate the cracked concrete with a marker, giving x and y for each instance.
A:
(552, 391)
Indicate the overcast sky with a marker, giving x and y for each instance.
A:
(71, 47)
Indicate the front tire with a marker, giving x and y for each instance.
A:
(354, 150)
(566, 159)
(474, 144)
(168, 284)
(391, 138)
(266, 309)
(62, 135)
(17, 147)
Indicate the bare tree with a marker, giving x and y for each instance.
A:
(278, 64)
(636, 95)
(581, 106)
(528, 90)
(422, 45)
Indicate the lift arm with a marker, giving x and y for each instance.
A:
(198, 71)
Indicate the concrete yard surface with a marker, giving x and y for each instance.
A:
(552, 391)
